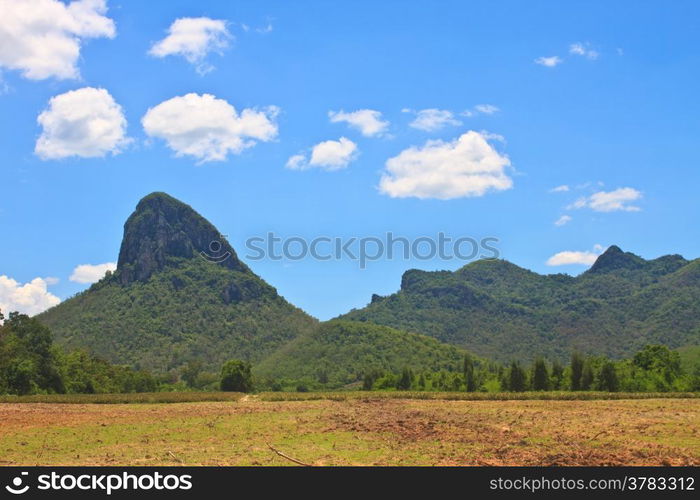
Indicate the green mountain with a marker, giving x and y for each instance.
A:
(342, 351)
(499, 310)
(179, 293)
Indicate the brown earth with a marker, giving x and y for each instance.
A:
(371, 431)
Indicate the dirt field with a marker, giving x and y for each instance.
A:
(370, 431)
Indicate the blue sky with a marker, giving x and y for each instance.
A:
(614, 118)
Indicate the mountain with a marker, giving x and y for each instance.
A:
(342, 351)
(179, 293)
(499, 310)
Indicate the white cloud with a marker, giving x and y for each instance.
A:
(549, 62)
(297, 162)
(569, 257)
(208, 128)
(610, 201)
(86, 122)
(560, 189)
(563, 220)
(433, 119)
(194, 38)
(487, 109)
(490, 136)
(88, 273)
(42, 38)
(327, 155)
(333, 155)
(28, 298)
(368, 121)
(581, 49)
(466, 166)
(265, 30)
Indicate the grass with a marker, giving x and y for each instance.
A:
(131, 398)
(474, 396)
(193, 397)
(356, 431)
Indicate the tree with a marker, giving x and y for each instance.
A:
(190, 372)
(660, 360)
(469, 378)
(236, 376)
(587, 376)
(369, 378)
(557, 375)
(608, 380)
(540, 376)
(421, 382)
(27, 359)
(405, 381)
(576, 371)
(695, 379)
(517, 378)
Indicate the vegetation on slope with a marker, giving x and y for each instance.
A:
(31, 364)
(341, 352)
(191, 310)
(501, 311)
(179, 295)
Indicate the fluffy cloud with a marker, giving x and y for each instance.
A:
(328, 155)
(467, 166)
(333, 155)
(194, 38)
(581, 49)
(563, 220)
(571, 257)
(86, 122)
(41, 38)
(560, 189)
(610, 201)
(88, 273)
(208, 128)
(433, 119)
(549, 62)
(28, 298)
(368, 121)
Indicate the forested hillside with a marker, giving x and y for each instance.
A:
(166, 304)
(501, 311)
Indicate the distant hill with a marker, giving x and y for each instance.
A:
(180, 293)
(167, 304)
(499, 310)
(342, 351)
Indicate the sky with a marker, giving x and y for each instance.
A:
(559, 128)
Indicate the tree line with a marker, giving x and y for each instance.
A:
(655, 368)
(31, 364)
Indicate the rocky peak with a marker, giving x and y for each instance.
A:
(163, 228)
(614, 259)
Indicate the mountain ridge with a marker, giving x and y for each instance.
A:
(180, 293)
(500, 310)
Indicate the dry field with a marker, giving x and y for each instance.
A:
(356, 431)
